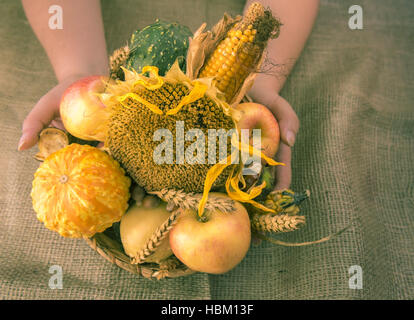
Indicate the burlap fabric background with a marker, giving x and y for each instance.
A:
(352, 90)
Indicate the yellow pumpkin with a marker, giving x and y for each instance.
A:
(80, 190)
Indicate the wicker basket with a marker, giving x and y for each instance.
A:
(109, 247)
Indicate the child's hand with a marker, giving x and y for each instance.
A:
(297, 17)
(75, 51)
(44, 113)
(289, 126)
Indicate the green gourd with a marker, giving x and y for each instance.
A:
(159, 44)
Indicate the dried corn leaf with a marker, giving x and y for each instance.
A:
(50, 141)
(203, 44)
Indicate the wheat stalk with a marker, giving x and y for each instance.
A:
(155, 240)
(118, 60)
(276, 223)
(181, 199)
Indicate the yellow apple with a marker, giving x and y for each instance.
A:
(137, 226)
(216, 245)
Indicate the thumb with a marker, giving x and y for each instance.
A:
(45, 110)
(283, 173)
(287, 119)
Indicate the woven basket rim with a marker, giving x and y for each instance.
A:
(112, 251)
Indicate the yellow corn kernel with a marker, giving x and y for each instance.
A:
(222, 85)
(208, 69)
(221, 72)
(231, 58)
(242, 56)
(225, 66)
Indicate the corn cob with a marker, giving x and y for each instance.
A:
(240, 52)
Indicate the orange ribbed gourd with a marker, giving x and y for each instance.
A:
(80, 190)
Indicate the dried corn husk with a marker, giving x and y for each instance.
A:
(51, 140)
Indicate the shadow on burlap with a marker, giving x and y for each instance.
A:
(353, 92)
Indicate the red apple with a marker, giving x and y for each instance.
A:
(216, 245)
(82, 112)
(257, 116)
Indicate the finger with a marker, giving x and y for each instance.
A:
(41, 115)
(283, 173)
(57, 123)
(287, 119)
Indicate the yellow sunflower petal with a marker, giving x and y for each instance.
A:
(235, 193)
(196, 93)
(136, 97)
(211, 176)
(153, 75)
(244, 147)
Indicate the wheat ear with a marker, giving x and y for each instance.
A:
(159, 235)
(184, 200)
(276, 223)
